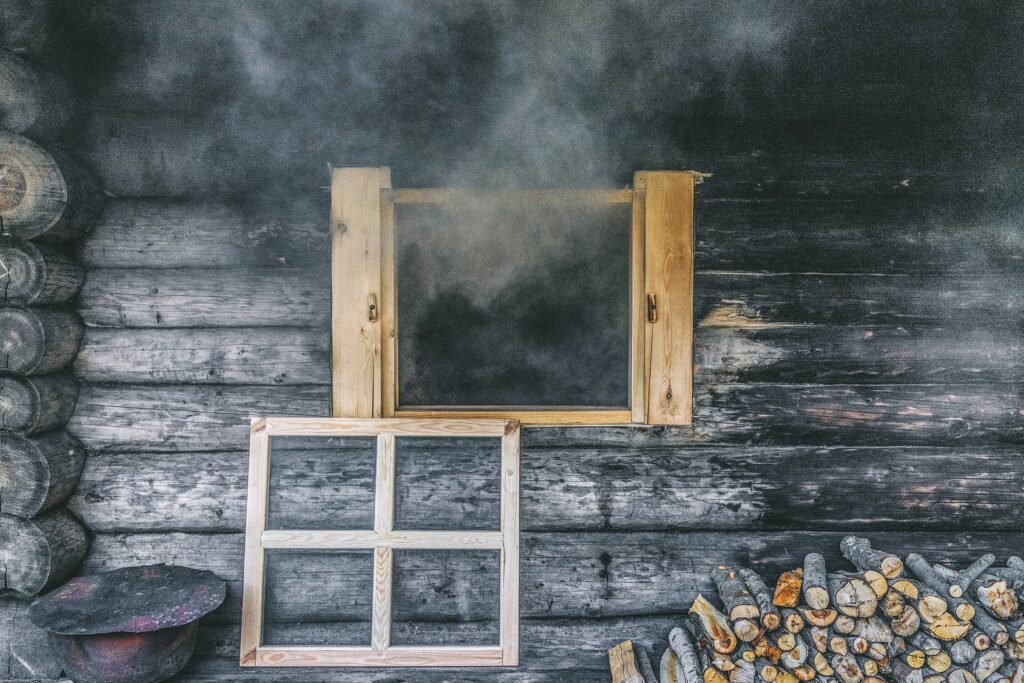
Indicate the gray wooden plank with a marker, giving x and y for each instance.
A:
(611, 488)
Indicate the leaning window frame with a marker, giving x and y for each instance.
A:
(364, 324)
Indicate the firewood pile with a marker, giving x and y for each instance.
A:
(907, 621)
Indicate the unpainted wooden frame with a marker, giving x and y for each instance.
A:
(383, 539)
(364, 346)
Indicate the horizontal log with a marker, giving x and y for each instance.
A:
(37, 274)
(30, 405)
(897, 235)
(38, 473)
(562, 575)
(128, 418)
(32, 101)
(38, 554)
(205, 297)
(385, 675)
(253, 356)
(45, 193)
(36, 341)
(197, 297)
(614, 488)
(742, 351)
(173, 155)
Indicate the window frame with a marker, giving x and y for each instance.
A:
(364, 348)
(383, 539)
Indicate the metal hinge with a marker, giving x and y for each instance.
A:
(652, 308)
(373, 310)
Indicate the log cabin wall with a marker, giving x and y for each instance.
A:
(860, 269)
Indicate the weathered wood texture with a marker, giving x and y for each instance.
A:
(37, 273)
(40, 553)
(609, 488)
(36, 341)
(24, 647)
(29, 405)
(38, 473)
(32, 101)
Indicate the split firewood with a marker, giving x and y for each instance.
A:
(892, 604)
(853, 596)
(858, 645)
(670, 667)
(915, 658)
(743, 673)
(643, 664)
(847, 669)
(972, 572)
(873, 629)
(860, 553)
(838, 645)
(765, 670)
(805, 672)
(714, 675)
(948, 628)
(868, 666)
(1013, 671)
(766, 648)
(821, 665)
(905, 587)
(786, 641)
(987, 663)
(622, 661)
(795, 656)
(740, 606)
(996, 596)
(770, 617)
(904, 673)
(786, 677)
(940, 661)
(788, 588)
(978, 639)
(819, 617)
(681, 642)
(844, 624)
(927, 573)
(925, 643)
(714, 625)
(745, 652)
(815, 587)
(959, 675)
(1014, 651)
(818, 637)
(906, 623)
(791, 620)
(962, 652)
(878, 651)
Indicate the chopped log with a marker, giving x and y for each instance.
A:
(962, 652)
(40, 553)
(838, 644)
(940, 661)
(878, 651)
(30, 405)
(853, 596)
(844, 624)
(926, 643)
(1014, 671)
(643, 664)
(847, 668)
(680, 641)
(796, 656)
(915, 658)
(714, 675)
(818, 636)
(998, 598)
(979, 639)
(764, 647)
(739, 604)
(805, 672)
(788, 588)
(670, 667)
(970, 574)
(791, 620)
(622, 662)
(959, 675)
(987, 663)
(32, 102)
(948, 628)
(860, 553)
(857, 645)
(893, 604)
(873, 629)
(36, 341)
(904, 673)
(819, 617)
(743, 673)
(40, 197)
(770, 617)
(821, 664)
(1015, 562)
(785, 641)
(713, 624)
(765, 670)
(37, 473)
(814, 588)
(37, 274)
(905, 587)
(906, 623)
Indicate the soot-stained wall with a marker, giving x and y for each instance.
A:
(858, 289)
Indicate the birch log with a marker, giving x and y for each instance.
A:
(29, 405)
(36, 341)
(39, 472)
(40, 553)
(770, 617)
(814, 586)
(681, 643)
(40, 197)
(739, 604)
(968, 575)
(37, 274)
(859, 551)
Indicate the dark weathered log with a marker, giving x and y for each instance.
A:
(859, 551)
(739, 487)
(36, 341)
(945, 626)
(24, 25)
(815, 590)
(968, 575)
(39, 472)
(250, 356)
(211, 297)
(32, 102)
(962, 652)
(30, 405)
(44, 194)
(26, 653)
(40, 553)
(37, 274)
(643, 663)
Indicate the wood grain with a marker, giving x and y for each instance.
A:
(393, 656)
(380, 635)
(407, 540)
(255, 524)
(509, 592)
(668, 268)
(355, 268)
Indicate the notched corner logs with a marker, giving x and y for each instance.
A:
(889, 619)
